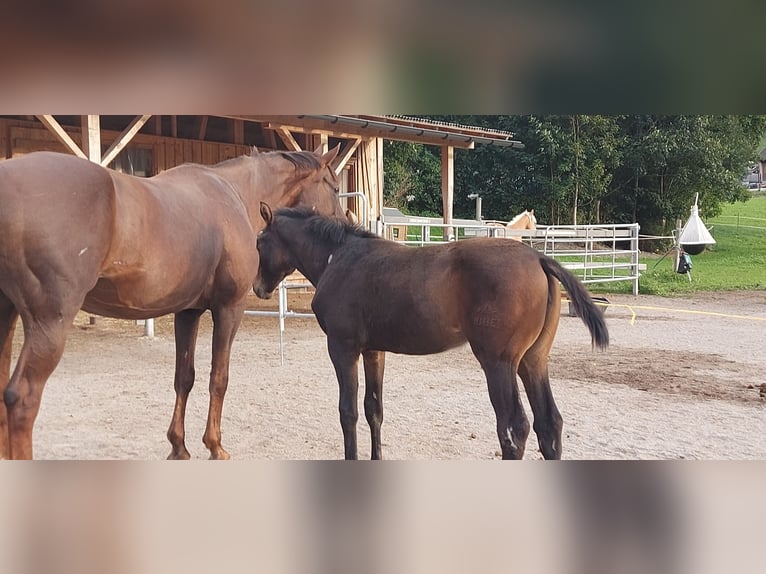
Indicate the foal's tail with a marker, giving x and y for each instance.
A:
(582, 303)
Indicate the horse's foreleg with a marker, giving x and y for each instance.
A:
(512, 423)
(186, 325)
(548, 423)
(374, 365)
(226, 321)
(8, 317)
(346, 362)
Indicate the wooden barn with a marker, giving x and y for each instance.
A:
(147, 144)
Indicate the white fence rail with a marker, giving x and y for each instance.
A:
(595, 253)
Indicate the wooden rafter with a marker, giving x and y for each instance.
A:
(288, 138)
(55, 128)
(202, 127)
(124, 138)
(346, 155)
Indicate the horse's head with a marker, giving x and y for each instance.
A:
(275, 260)
(524, 220)
(316, 185)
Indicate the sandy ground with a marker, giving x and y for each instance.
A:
(672, 385)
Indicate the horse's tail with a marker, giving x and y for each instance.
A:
(582, 303)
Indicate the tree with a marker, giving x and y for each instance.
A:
(586, 168)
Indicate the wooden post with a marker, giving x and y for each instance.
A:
(91, 146)
(448, 188)
(91, 137)
(321, 141)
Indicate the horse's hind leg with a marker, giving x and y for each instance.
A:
(374, 365)
(512, 423)
(186, 324)
(226, 321)
(548, 423)
(8, 317)
(44, 338)
(533, 370)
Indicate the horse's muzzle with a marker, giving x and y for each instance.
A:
(261, 291)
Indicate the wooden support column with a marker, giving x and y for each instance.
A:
(379, 172)
(448, 187)
(91, 137)
(321, 142)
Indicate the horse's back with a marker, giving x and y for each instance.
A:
(428, 299)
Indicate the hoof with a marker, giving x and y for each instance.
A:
(179, 455)
(220, 454)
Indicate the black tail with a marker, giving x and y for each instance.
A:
(582, 303)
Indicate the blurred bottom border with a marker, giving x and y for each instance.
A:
(336, 517)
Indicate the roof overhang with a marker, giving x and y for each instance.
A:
(395, 128)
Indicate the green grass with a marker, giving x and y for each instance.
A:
(736, 262)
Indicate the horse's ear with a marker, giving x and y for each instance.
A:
(330, 155)
(266, 213)
(531, 212)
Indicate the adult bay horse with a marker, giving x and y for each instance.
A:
(74, 235)
(524, 220)
(374, 295)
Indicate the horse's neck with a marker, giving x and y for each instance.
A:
(254, 181)
(519, 222)
(312, 254)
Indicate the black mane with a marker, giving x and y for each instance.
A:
(330, 229)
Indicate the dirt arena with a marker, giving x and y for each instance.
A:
(673, 385)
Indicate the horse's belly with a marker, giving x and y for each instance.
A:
(412, 338)
(126, 301)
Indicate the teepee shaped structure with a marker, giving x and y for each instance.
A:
(695, 236)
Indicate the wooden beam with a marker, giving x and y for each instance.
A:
(288, 138)
(174, 126)
(342, 160)
(124, 139)
(91, 137)
(158, 125)
(448, 185)
(55, 128)
(202, 127)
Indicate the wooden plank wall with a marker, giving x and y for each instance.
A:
(19, 137)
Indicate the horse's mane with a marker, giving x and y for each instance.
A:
(330, 229)
(522, 214)
(303, 161)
